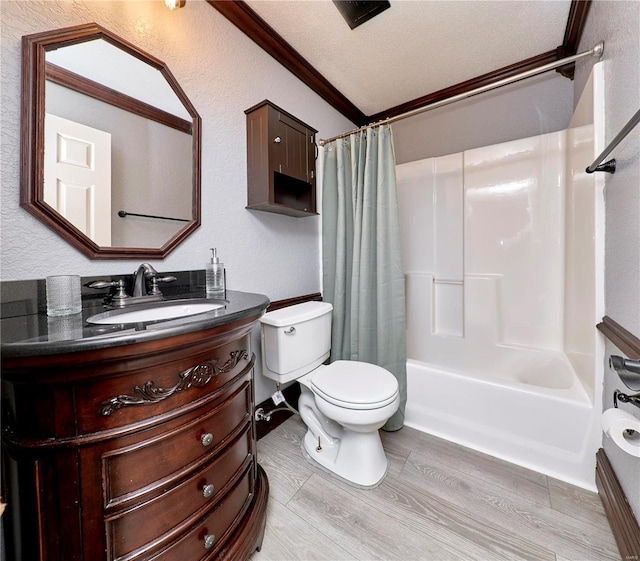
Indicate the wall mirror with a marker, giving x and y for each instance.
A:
(110, 153)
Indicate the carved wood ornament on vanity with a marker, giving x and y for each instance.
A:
(197, 376)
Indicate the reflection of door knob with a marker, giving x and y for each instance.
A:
(277, 140)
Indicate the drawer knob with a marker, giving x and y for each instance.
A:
(206, 439)
(209, 540)
(207, 490)
(277, 140)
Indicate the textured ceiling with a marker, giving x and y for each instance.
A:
(415, 47)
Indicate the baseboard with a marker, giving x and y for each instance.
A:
(276, 305)
(621, 519)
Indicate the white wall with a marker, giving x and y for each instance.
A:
(584, 239)
(618, 25)
(502, 247)
(521, 110)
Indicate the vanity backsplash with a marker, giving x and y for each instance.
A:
(26, 297)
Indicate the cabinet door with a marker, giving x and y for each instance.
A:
(293, 152)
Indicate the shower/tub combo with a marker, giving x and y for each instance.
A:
(503, 256)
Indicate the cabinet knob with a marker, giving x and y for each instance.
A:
(206, 439)
(209, 540)
(277, 140)
(207, 490)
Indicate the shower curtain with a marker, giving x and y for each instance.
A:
(362, 263)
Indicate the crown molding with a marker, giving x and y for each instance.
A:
(252, 25)
(578, 12)
(261, 33)
(467, 86)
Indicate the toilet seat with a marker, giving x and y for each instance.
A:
(355, 385)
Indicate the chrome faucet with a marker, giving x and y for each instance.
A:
(141, 292)
(144, 272)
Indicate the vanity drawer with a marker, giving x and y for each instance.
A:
(132, 471)
(129, 533)
(205, 539)
(162, 389)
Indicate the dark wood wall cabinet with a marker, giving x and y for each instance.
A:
(281, 162)
(145, 451)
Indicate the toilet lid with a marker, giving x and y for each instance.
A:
(355, 385)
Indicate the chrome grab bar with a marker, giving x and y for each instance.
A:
(628, 370)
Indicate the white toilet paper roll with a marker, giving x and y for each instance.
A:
(607, 418)
(615, 423)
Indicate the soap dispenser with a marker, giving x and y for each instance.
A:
(215, 275)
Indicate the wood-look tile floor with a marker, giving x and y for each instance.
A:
(439, 502)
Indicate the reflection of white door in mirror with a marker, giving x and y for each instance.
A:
(77, 176)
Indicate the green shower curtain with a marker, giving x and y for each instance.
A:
(362, 262)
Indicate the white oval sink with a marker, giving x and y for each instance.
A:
(154, 313)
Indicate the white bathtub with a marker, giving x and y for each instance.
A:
(503, 254)
(535, 414)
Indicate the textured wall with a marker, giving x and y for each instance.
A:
(223, 73)
(618, 25)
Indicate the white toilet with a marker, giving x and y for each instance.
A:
(343, 404)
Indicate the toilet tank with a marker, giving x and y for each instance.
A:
(295, 340)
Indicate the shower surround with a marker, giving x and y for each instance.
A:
(502, 250)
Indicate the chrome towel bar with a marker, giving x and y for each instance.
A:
(610, 166)
(124, 214)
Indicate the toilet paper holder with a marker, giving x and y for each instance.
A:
(625, 398)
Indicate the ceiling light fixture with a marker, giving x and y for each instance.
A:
(174, 4)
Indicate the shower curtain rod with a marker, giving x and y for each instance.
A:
(597, 52)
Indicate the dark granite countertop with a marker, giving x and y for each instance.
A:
(26, 330)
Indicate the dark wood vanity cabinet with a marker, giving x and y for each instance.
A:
(144, 451)
(281, 162)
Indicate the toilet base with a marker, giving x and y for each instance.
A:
(356, 458)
